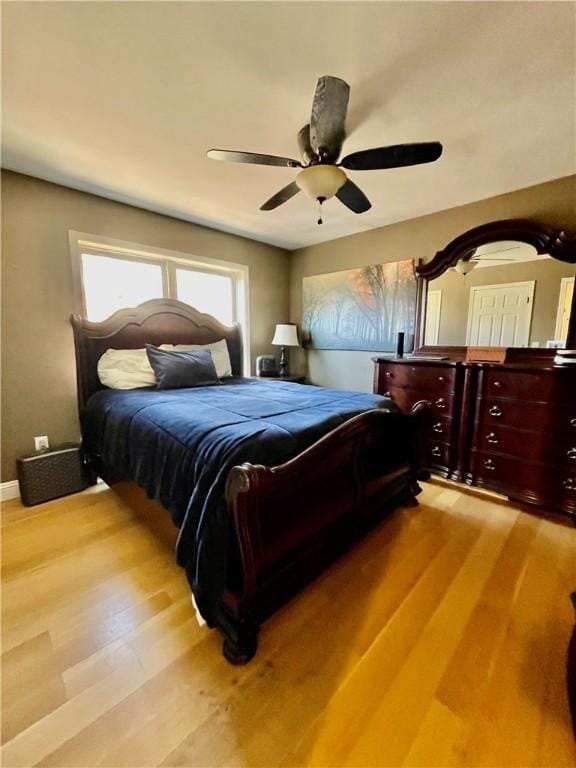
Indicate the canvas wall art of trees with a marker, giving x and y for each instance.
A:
(361, 308)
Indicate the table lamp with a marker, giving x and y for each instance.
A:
(285, 336)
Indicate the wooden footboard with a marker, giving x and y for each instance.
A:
(290, 521)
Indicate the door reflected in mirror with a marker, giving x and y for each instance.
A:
(504, 295)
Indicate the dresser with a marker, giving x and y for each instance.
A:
(507, 427)
(523, 433)
(407, 381)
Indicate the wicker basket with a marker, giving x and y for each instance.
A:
(486, 354)
(50, 474)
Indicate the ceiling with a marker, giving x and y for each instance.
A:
(123, 99)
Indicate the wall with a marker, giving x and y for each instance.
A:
(39, 380)
(456, 296)
(38, 392)
(553, 203)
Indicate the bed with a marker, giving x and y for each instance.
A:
(266, 482)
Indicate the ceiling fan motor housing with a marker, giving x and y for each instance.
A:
(321, 181)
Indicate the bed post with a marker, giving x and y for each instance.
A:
(240, 637)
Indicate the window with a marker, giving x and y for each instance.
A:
(111, 284)
(112, 274)
(207, 292)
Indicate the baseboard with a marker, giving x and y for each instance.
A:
(9, 490)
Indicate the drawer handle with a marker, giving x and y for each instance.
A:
(440, 403)
(491, 438)
(569, 483)
(440, 378)
(389, 374)
(489, 464)
(436, 451)
(386, 394)
(438, 428)
(495, 411)
(497, 384)
(573, 422)
(571, 453)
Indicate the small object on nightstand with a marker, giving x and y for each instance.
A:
(266, 366)
(46, 475)
(292, 377)
(285, 336)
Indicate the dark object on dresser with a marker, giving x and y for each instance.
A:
(288, 521)
(508, 427)
(49, 474)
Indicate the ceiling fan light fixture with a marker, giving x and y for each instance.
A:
(321, 182)
(464, 267)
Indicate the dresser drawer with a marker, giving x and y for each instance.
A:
(406, 397)
(428, 377)
(529, 416)
(436, 455)
(558, 386)
(532, 446)
(439, 428)
(437, 424)
(526, 481)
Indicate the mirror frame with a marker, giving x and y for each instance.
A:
(557, 243)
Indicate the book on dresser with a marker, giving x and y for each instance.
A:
(508, 427)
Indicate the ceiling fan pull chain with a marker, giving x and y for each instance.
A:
(320, 201)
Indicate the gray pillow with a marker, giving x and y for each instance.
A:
(175, 370)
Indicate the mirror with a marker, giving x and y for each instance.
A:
(505, 295)
(505, 284)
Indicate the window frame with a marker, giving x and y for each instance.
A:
(169, 261)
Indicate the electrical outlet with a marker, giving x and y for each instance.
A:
(41, 443)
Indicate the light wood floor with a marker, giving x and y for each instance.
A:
(440, 640)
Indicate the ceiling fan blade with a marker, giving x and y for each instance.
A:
(281, 197)
(395, 156)
(353, 197)
(233, 156)
(329, 108)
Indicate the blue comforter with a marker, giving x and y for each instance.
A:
(179, 445)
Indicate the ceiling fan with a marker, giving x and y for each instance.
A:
(501, 254)
(320, 142)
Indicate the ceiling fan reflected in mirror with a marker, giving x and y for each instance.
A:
(497, 254)
(320, 143)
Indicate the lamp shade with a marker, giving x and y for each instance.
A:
(464, 267)
(286, 336)
(321, 181)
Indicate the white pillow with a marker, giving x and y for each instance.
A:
(125, 369)
(218, 349)
(130, 368)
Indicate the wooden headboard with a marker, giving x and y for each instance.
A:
(159, 321)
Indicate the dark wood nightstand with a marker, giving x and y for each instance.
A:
(295, 379)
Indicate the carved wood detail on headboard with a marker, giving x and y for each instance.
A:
(158, 321)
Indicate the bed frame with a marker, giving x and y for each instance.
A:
(289, 521)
